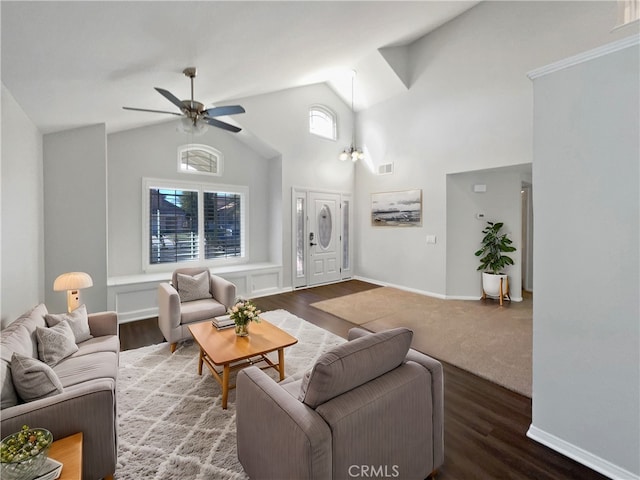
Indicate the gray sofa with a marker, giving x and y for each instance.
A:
(87, 402)
(369, 408)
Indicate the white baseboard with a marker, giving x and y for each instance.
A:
(400, 287)
(424, 292)
(462, 297)
(273, 291)
(580, 455)
(369, 280)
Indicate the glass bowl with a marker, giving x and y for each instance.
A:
(23, 453)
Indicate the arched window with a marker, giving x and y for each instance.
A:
(322, 122)
(201, 159)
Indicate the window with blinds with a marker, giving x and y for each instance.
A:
(173, 224)
(187, 222)
(222, 224)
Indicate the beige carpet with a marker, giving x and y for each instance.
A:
(481, 337)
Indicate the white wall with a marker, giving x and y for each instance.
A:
(281, 120)
(22, 258)
(586, 344)
(153, 152)
(500, 203)
(75, 213)
(468, 108)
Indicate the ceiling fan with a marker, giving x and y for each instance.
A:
(194, 112)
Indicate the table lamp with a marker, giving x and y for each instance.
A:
(72, 282)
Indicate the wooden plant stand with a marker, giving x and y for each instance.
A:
(504, 291)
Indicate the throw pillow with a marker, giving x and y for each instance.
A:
(8, 394)
(78, 321)
(354, 363)
(194, 287)
(55, 343)
(33, 379)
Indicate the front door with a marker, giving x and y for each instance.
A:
(323, 237)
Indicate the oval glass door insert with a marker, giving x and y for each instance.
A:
(325, 226)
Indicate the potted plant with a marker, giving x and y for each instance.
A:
(495, 283)
(243, 312)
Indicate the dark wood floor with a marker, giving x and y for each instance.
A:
(485, 424)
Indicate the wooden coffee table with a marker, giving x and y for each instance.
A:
(223, 348)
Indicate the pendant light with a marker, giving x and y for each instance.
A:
(352, 152)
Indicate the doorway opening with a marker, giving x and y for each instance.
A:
(527, 237)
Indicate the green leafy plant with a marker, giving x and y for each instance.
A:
(494, 244)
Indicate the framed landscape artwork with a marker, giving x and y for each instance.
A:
(397, 209)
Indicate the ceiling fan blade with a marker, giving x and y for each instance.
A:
(225, 110)
(171, 97)
(152, 111)
(222, 125)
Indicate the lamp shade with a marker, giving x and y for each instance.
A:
(72, 281)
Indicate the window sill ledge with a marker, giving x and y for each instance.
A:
(156, 277)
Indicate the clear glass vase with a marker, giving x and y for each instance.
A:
(242, 329)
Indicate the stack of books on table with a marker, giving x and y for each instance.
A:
(222, 322)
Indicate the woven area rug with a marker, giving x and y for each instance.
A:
(171, 424)
(483, 338)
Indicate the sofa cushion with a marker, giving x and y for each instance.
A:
(13, 339)
(8, 394)
(16, 338)
(78, 320)
(105, 343)
(55, 343)
(292, 387)
(354, 363)
(199, 310)
(33, 379)
(34, 318)
(194, 287)
(30, 320)
(76, 370)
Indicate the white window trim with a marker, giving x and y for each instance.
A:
(201, 188)
(199, 146)
(326, 110)
(628, 13)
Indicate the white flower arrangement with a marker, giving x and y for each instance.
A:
(243, 312)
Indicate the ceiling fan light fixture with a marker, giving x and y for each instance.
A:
(190, 126)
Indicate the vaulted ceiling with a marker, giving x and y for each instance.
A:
(70, 64)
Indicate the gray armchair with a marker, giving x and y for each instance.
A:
(368, 408)
(182, 305)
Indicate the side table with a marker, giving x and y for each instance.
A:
(68, 451)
